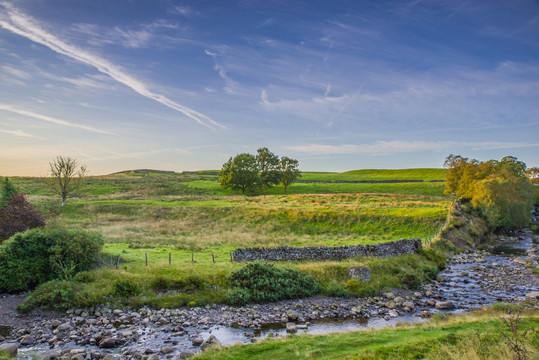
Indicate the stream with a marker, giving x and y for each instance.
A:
(470, 280)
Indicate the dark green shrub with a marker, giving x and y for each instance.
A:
(188, 284)
(337, 290)
(238, 296)
(261, 283)
(39, 255)
(126, 288)
(58, 295)
(192, 283)
(160, 284)
(435, 256)
(429, 272)
(411, 280)
(84, 277)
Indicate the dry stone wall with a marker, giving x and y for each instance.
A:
(320, 253)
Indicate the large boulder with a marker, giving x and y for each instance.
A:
(360, 273)
(291, 327)
(10, 348)
(292, 315)
(445, 305)
(212, 341)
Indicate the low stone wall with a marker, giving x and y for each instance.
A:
(287, 253)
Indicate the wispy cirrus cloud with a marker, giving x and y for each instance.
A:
(16, 72)
(16, 133)
(231, 86)
(6, 107)
(400, 146)
(140, 36)
(21, 24)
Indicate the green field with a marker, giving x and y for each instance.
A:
(191, 220)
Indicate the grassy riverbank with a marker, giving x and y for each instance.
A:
(474, 336)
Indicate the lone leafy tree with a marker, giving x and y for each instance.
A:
(268, 166)
(240, 173)
(66, 176)
(289, 172)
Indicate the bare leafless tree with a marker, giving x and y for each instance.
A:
(66, 176)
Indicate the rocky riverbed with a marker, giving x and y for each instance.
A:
(472, 279)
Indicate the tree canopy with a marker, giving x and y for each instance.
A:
(251, 174)
(501, 190)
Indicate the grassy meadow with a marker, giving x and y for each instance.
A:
(191, 219)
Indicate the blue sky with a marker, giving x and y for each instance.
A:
(338, 85)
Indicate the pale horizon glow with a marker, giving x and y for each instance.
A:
(339, 85)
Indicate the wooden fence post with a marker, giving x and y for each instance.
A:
(192, 258)
(169, 258)
(213, 258)
(231, 258)
(146, 259)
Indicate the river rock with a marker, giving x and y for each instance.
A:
(167, 350)
(360, 273)
(408, 304)
(445, 305)
(212, 341)
(108, 343)
(389, 295)
(10, 348)
(292, 315)
(55, 323)
(197, 341)
(533, 295)
(64, 327)
(186, 354)
(27, 340)
(390, 304)
(291, 327)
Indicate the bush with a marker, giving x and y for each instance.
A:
(39, 255)
(411, 280)
(17, 215)
(429, 272)
(126, 288)
(188, 284)
(58, 295)
(337, 290)
(261, 283)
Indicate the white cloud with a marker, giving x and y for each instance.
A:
(183, 10)
(50, 119)
(86, 81)
(23, 25)
(16, 133)
(231, 86)
(400, 146)
(16, 72)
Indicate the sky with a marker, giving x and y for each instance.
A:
(338, 85)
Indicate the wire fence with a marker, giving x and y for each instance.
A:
(115, 261)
